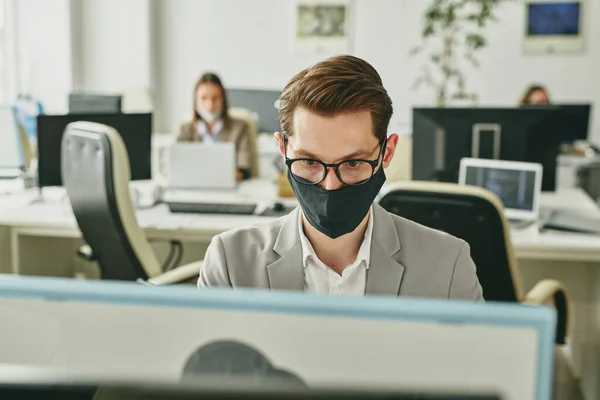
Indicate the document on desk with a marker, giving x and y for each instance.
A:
(571, 222)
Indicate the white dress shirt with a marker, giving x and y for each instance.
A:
(210, 137)
(321, 279)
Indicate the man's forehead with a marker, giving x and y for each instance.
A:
(355, 127)
(332, 139)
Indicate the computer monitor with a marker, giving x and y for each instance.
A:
(122, 331)
(12, 155)
(575, 121)
(265, 103)
(68, 386)
(86, 103)
(443, 136)
(135, 129)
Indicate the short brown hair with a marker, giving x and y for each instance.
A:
(209, 77)
(337, 85)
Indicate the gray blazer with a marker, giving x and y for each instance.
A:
(407, 259)
(235, 130)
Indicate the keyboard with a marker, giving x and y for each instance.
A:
(212, 208)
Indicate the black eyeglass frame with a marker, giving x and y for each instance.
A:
(372, 163)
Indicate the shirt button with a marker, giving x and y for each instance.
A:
(335, 288)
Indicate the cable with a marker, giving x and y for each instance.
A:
(167, 263)
(179, 255)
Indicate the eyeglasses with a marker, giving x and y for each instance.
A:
(309, 171)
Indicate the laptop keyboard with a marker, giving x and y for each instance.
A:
(213, 208)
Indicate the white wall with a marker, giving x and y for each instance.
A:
(248, 44)
(167, 44)
(112, 39)
(43, 51)
(245, 42)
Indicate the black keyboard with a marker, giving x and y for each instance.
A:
(213, 208)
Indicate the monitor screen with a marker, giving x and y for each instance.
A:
(135, 129)
(444, 136)
(553, 19)
(264, 103)
(83, 103)
(516, 188)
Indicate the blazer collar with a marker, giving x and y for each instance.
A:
(385, 273)
(383, 277)
(287, 273)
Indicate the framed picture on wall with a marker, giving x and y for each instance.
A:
(554, 26)
(322, 26)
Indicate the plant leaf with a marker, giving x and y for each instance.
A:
(428, 31)
(475, 41)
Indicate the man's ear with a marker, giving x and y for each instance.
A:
(390, 149)
(279, 137)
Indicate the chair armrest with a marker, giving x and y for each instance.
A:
(177, 275)
(552, 292)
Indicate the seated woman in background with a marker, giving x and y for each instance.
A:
(211, 123)
(535, 95)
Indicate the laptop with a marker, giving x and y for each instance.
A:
(202, 166)
(518, 184)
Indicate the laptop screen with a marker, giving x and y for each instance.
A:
(515, 187)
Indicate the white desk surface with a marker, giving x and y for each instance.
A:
(530, 243)
(53, 217)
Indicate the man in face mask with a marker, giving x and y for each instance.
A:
(334, 117)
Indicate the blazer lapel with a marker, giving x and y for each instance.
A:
(287, 272)
(226, 132)
(384, 275)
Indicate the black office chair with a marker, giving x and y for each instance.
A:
(476, 216)
(95, 172)
(588, 178)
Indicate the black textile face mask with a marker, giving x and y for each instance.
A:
(337, 212)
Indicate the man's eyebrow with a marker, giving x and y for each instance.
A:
(356, 154)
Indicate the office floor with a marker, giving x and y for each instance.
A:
(566, 387)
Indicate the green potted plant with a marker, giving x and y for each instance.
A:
(452, 35)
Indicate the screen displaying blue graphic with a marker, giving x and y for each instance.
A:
(553, 19)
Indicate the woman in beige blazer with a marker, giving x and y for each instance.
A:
(211, 123)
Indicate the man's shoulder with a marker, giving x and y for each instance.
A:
(257, 237)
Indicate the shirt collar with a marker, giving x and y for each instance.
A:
(364, 252)
(203, 129)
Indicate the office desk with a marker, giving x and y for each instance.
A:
(28, 223)
(21, 216)
(531, 244)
